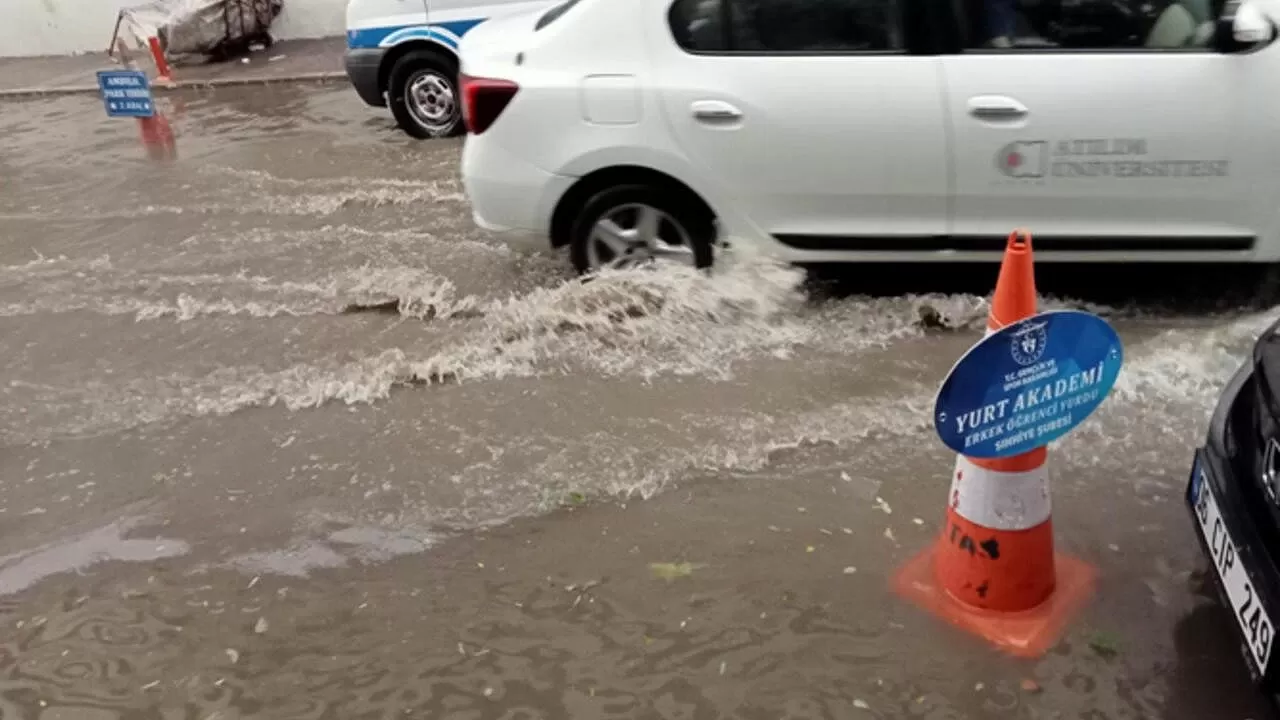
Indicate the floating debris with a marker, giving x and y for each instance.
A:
(1105, 645)
(671, 571)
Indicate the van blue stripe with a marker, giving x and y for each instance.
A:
(460, 27)
(366, 38)
(445, 33)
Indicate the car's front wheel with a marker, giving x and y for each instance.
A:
(423, 95)
(630, 225)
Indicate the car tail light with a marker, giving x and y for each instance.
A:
(483, 100)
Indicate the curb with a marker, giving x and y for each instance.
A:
(325, 76)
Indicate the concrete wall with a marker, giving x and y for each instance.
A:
(61, 27)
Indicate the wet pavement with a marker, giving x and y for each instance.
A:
(284, 436)
(286, 60)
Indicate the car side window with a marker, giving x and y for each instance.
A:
(700, 25)
(788, 26)
(1100, 25)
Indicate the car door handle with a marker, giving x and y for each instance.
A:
(714, 110)
(996, 107)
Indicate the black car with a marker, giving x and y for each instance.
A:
(1232, 494)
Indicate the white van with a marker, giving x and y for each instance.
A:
(403, 53)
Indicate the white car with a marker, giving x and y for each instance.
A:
(878, 130)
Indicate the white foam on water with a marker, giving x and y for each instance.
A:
(261, 178)
(360, 544)
(1190, 364)
(42, 268)
(21, 570)
(256, 243)
(414, 292)
(1172, 380)
(1163, 399)
(1169, 385)
(613, 466)
(640, 323)
(340, 192)
(636, 322)
(300, 204)
(731, 441)
(296, 560)
(90, 213)
(331, 202)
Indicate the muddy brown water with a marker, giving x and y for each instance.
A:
(284, 436)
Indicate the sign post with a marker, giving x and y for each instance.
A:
(127, 93)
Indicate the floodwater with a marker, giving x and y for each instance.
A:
(283, 436)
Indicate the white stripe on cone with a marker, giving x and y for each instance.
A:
(995, 499)
(1000, 500)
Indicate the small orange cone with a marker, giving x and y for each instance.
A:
(993, 570)
(163, 74)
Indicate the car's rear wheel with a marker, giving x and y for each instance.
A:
(423, 95)
(632, 225)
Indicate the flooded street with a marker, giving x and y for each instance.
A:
(284, 436)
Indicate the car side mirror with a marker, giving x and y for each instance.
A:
(1242, 26)
(1250, 26)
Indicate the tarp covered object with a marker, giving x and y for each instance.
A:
(197, 26)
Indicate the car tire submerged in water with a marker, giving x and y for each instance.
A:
(423, 94)
(627, 225)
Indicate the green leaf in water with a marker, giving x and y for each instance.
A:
(1105, 644)
(671, 571)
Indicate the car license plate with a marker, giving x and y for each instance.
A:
(1247, 607)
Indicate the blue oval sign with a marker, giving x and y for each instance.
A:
(1028, 384)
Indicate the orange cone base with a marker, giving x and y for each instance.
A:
(1025, 634)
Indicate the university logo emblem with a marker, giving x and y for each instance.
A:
(1024, 159)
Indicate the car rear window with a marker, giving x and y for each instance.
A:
(554, 13)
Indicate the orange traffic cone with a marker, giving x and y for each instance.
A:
(163, 74)
(993, 570)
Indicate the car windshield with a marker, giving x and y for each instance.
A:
(554, 13)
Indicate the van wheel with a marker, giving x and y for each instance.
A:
(423, 94)
(631, 225)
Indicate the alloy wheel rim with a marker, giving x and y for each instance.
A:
(638, 234)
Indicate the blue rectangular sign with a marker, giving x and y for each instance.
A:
(126, 93)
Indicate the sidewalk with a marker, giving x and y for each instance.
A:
(285, 61)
